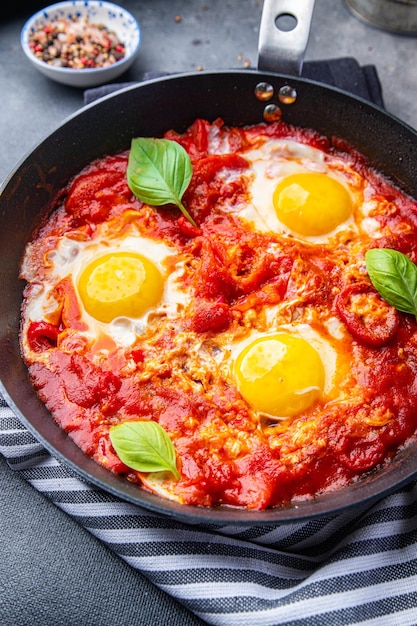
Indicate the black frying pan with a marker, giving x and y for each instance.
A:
(150, 109)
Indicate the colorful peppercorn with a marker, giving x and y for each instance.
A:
(76, 43)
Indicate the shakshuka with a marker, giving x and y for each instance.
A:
(250, 336)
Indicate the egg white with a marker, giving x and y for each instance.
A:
(277, 159)
(335, 360)
(71, 257)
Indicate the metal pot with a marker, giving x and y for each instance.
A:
(151, 108)
(396, 16)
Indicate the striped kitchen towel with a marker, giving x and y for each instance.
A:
(357, 567)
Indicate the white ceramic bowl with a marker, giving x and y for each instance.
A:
(112, 16)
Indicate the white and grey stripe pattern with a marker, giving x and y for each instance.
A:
(359, 567)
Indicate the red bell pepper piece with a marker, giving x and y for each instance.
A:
(371, 320)
(42, 336)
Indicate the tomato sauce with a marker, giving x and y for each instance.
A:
(226, 454)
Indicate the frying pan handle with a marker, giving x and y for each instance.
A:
(283, 35)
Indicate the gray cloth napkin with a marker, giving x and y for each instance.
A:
(344, 73)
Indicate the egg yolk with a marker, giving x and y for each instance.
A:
(120, 284)
(281, 375)
(312, 203)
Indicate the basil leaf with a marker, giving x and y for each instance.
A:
(394, 276)
(159, 171)
(144, 446)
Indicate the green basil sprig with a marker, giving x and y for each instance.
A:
(144, 446)
(158, 172)
(394, 276)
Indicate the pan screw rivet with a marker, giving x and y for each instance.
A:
(264, 91)
(272, 113)
(287, 95)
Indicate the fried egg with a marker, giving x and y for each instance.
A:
(119, 282)
(300, 191)
(286, 371)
